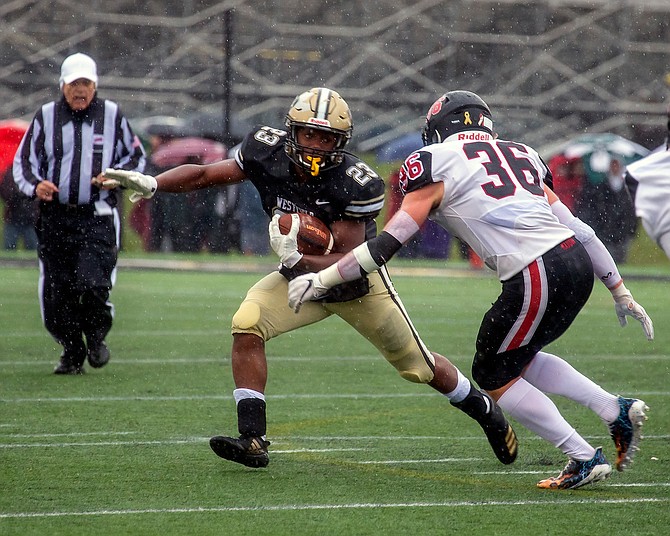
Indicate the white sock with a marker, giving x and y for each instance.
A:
(241, 394)
(535, 410)
(462, 389)
(551, 374)
(576, 447)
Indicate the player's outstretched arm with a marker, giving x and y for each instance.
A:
(184, 178)
(604, 267)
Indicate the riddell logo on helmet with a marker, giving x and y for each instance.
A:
(321, 122)
(475, 136)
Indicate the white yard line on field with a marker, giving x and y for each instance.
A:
(356, 506)
(437, 460)
(159, 443)
(212, 397)
(291, 358)
(303, 396)
(67, 434)
(275, 440)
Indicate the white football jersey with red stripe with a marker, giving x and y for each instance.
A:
(493, 197)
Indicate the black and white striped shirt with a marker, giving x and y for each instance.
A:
(69, 148)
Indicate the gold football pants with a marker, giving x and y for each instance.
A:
(379, 316)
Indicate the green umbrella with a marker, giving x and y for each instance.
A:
(598, 150)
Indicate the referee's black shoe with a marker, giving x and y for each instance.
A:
(72, 359)
(65, 366)
(98, 354)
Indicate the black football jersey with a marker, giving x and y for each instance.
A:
(349, 191)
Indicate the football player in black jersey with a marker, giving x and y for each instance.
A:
(305, 169)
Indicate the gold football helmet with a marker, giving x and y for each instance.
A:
(322, 109)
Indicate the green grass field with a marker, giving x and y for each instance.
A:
(355, 449)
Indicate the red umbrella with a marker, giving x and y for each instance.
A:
(11, 134)
(188, 150)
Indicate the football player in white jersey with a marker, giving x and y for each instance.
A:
(648, 181)
(492, 194)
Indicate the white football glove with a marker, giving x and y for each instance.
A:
(286, 245)
(143, 186)
(304, 288)
(625, 305)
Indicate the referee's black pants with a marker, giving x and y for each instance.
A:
(78, 251)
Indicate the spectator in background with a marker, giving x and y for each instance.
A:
(226, 220)
(68, 143)
(188, 223)
(254, 222)
(240, 224)
(607, 207)
(568, 179)
(154, 211)
(20, 215)
(20, 212)
(189, 220)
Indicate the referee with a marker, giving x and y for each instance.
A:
(69, 142)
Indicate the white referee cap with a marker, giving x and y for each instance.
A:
(78, 66)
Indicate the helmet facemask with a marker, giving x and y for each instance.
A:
(319, 109)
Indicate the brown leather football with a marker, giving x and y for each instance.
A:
(314, 237)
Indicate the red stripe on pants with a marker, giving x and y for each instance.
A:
(534, 301)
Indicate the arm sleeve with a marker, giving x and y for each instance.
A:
(604, 266)
(373, 254)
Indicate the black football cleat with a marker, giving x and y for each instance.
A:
(500, 434)
(249, 451)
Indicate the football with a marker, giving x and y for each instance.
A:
(314, 237)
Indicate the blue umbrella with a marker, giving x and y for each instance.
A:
(400, 148)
